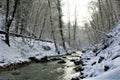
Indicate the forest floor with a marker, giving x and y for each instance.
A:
(25, 50)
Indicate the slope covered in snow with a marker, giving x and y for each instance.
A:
(22, 49)
(103, 61)
(110, 75)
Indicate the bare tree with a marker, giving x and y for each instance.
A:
(43, 26)
(61, 24)
(52, 28)
(9, 19)
(69, 25)
(75, 25)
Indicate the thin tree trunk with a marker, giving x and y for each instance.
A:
(60, 25)
(53, 29)
(36, 17)
(109, 15)
(43, 26)
(75, 25)
(69, 27)
(101, 14)
(8, 22)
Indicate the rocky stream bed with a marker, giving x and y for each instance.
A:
(48, 68)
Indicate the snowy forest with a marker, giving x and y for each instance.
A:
(59, 39)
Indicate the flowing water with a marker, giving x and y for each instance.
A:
(43, 71)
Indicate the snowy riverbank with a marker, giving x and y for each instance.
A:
(22, 49)
(103, 61)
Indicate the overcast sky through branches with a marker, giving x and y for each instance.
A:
(78, 6)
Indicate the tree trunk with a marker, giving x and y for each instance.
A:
(52, 28)
(61, 25)
(43, 26)
(9, 22)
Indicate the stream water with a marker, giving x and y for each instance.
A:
(43, 71)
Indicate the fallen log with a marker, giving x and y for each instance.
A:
(23, 36)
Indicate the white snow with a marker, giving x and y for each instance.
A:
(22, 49)
(111, 55)
(110, 75)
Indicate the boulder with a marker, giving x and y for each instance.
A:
(84, 50)
(75, 78)
(78, 69)
(95, 50)
(55, 59)
(62, 62)
(78, 62)
(34, 59)
(72, 60)
(88, 58)
(106, 68)
(2, 62)
(44, 59)
(46, 48)
(64, 57)
(101, 59)
(105, 46)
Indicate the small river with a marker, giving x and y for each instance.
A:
(43, 71)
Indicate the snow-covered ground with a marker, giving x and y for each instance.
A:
(103, 61)
(22, 49)
(110, 75)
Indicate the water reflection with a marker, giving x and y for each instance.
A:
(68, 71)
(45, 71)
